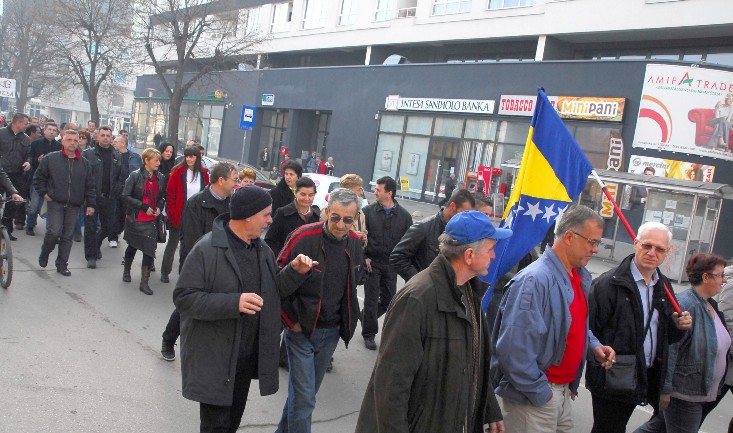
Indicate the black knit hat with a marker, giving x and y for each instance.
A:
(247, 201)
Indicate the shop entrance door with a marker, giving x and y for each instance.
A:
(442, 162)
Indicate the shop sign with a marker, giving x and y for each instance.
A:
(686, 109)
(7, 88)
(448, 105)
(606, 205)
(404, 183)
(672, 168)
(614, 162)
(268, 99)
(569, 107)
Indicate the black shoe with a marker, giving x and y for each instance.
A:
(42, 261)
(168, 351)
(99, 254)
(164, 278)
(29, 231)
(92, 263)
(11, 237)
(63, 270)
(152, 267)
(369, 343)
(77, 238)
(19, 226)
(330, 366)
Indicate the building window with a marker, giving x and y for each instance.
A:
(314, 16)
(348, 12)
(384, 10)
(444, 7)
(252, 20)
(120, 77)
(272, 135)
(720, 57)
(33, 110)
(503, 4)
(281, 17)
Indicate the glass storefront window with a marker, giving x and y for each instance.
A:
(480, 129)
(448, 127)
(419, 125)
(513, 132)
(595, 141)
(388, 151)
(413, 161)
(392, 123)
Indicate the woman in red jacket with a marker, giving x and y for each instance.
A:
(186, 179)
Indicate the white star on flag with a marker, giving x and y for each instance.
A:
(549, 213)
(534, 210)
(560, 212)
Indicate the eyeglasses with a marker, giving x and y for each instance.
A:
(337, 218)
(715, 275)
(658, 250)
(235, 179)
(592, 242)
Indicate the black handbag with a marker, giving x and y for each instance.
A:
(160, 225)
(622, 378)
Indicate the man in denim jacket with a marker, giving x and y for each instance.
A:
(541, 330)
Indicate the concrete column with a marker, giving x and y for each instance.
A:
(368, 57)
(540, 53)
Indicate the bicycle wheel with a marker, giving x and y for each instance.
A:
(6, 260)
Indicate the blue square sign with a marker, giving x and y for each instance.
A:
(247, 121)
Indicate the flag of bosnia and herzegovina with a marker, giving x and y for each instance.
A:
(553, 173)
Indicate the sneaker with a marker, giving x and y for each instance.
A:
(30, 232)
(63, 270)
(168, 351)
(113, 244)
(92, 263)
(369, 343)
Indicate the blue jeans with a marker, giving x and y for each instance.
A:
(34, 208)
(683, 416)
(308, 358)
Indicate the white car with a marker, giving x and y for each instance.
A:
(324, 185)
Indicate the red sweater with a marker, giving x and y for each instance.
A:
(175, 193)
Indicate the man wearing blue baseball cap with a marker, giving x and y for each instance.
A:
(435, 349)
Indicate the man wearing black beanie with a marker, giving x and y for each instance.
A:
(227, 294)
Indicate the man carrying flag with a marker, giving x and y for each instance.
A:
(541, 331)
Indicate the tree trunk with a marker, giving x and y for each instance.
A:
(94, 106)
(174, 117)
(22, 97)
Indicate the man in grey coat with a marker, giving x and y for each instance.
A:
(436, 348)
(229, 307)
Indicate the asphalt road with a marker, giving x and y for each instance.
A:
(81, 354)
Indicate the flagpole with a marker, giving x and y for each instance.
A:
(626, 224)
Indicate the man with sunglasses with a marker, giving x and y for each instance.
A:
(629, 311)
(319, 306)
(541, 330)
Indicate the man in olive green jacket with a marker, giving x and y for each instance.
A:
(432, 372)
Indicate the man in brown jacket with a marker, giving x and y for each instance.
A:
(431, 374)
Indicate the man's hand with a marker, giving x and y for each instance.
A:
(152, 212)
(663, 402)
(302, 264)
(683, 320)
(368, 264)
(297, 328)
(605, 355)
(16, 197)
(90, 211)
(26, 166)
(494, 427)
(47, 197)
(250, 303)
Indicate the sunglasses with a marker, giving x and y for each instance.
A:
(337, 218)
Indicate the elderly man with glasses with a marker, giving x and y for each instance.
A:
(320, 306)
(629, 312)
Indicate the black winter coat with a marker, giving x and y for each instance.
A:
(42, 147)
(286, 220)
(207, 296)
(65, 180)
(141, 235)
(116, 179)
(418, 247)
(281, 195)
(385, 231)
(419, 383)
(616, 318)
(198, 217)
(302, 294)
(15, 150)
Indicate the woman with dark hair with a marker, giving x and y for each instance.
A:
(299, 212)
(186, 179)
(167, 158)
(284, 191)
(144, 197)
(85, 140)
(697, 363)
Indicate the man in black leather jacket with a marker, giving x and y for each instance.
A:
(419, 246)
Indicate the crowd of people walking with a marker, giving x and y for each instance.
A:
(253, 262)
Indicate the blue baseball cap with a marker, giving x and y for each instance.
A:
(470, 226)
